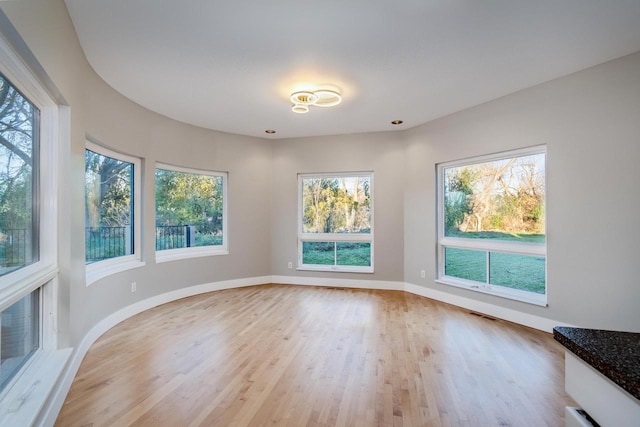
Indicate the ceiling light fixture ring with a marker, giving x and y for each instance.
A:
(323, 97)
(300, 108)
(327, 98)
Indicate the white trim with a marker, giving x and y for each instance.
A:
(106, 268)
(504, 246)
(336, 268)
(25, 281)
(22, 409)
(515, 316)
(185, 253)
(340, 283)
(501, 155)
(189, 170)
(50, 412)
(496, 290)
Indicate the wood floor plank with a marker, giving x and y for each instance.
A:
(306, 356)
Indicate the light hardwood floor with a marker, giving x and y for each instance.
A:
(305, 356)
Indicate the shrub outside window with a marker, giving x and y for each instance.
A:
(112, 203)
(335, 231)
(190, 212)
(491, 224)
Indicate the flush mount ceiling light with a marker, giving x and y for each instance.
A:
(303, 99)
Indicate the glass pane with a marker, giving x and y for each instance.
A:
(354, 253)
(189, 209)
(522, 272)
(500, 199)
(20, 335)
(319, 253)
(336, 205)
(466, 264)
(108, 207)
(19, 123)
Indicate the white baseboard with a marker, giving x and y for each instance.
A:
(341, 283)
(530, 320)
(50, 413)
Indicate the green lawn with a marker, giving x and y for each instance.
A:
(348, 253)
(522, 272)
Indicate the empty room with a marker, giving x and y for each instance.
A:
(356, 213)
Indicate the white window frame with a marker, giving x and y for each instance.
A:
(197, 251)
(24, 395)
(334, 237)
(100, 269)
(485, 245)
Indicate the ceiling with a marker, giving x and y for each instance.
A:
(231, 65)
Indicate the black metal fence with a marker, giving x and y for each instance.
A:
(174, 236)
(107, 242)
(14, 246)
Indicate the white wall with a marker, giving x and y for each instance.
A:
(382, 153)
(590, 122)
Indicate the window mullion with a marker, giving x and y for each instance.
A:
(494, 245)
(488, 267)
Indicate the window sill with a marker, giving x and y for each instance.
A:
(99, 271)
(495, 290)
(24, 401)
(186, 253)
(336, 269)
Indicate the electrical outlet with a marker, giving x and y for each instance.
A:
(423, 274)
(290, 265)
(133, 286)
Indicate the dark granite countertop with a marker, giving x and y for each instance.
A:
(616, 355)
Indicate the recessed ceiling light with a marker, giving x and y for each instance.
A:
(397, 122)
(270, 131)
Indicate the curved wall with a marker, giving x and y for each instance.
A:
(588, 121)
(114, 121)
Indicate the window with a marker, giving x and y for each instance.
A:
(191, 218)
(112, 225)
(335, 230)
(31, 128)
(20, 335)
(491, 224)
(19, 160)
(19, 225)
